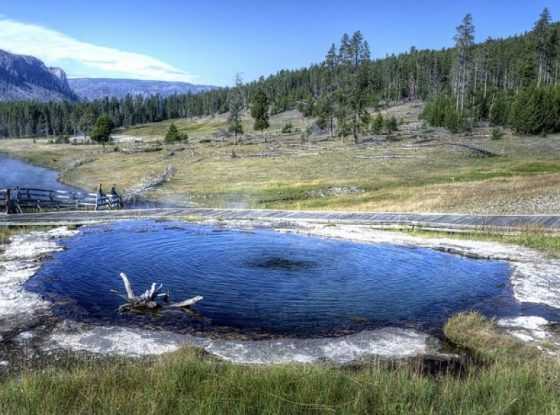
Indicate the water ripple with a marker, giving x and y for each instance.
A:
(265, 282)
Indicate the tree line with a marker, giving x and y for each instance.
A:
(527, 98)
(512, 81)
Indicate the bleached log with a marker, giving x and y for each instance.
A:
(148, 300)
(152, 293)
(187, 303)
(128, 288)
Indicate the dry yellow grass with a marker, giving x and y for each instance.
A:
(414, 171)
(205, 127)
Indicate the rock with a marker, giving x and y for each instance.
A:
(27, 78)
(333, 191)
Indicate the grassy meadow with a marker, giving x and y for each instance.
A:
(415, 169)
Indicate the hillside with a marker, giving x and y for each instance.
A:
(98, 88)
(467, 173)
(503, 75)
(28, 78)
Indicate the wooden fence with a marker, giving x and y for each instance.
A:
(24, 199)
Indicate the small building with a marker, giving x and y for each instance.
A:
(80, 139)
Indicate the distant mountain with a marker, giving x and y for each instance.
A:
(28, 78)
(95, 88)
(25, 78)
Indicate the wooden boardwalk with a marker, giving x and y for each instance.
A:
(426, 220)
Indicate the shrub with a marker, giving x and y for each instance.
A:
(173, 135)
(497, 134)
(306, 134)
(103, 128)
(62, 139)
(452, 121)
(287, 128)
(441, 112)
(377, 125)
(391, 125)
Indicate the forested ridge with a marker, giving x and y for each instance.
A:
(513, 81)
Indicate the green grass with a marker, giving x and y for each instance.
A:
(481, 337)
(202, 127)
(428, 179)
(537, 167)
(530, 238)
(206, 126)
(188, 382)
(6, 232)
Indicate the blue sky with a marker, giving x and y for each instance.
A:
(209, 41)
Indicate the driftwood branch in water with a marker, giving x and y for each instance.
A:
(187, 303)
(149, 300)
(128, 288)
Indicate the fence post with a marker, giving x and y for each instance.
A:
(98, 196)
(115, 197)
(8, 200)
(17, 207)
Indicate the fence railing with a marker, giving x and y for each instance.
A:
(28, 199)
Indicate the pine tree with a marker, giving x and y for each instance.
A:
(259, 110)
(87, 121)
(345, 49)
(331, 60)
(353, 91)
(325, 105)
(464, 41)
(543, 47)
(306, 106)
(103, 128)
(325, 113)
(43, 126)
(172, 134)
(236, 105)
(356, 49)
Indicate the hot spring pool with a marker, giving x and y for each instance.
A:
(264, 282)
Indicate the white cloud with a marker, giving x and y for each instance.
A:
(54, 47)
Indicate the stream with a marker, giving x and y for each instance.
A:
(15, 173)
